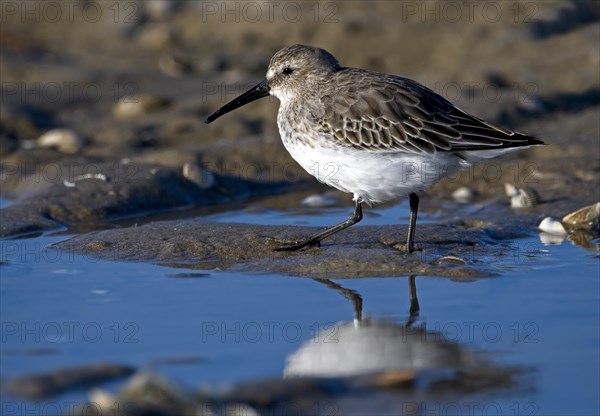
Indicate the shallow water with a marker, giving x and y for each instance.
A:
(218, 327)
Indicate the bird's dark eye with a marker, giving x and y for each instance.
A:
(287, 70)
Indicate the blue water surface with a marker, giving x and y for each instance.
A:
(215, 328)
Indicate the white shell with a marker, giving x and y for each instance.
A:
(551, 226)
(586, 218)
(200, 176)
(73, 183)
(510, 189)
(65, 140)
(463, 195)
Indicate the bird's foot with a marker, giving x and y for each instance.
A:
(409, 249)
(297, 245)
(405, 248)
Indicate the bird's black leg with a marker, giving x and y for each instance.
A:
(350, 294)
(413, 200)
(316, 239)
(414, 301)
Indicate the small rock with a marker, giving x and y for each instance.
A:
(155, 36)
(64, 140)
(200, 176)
(318, 201)
(137, 105)
(551, 226)
(159, 9)
(586, 218)
(463, 195)
(174, 66)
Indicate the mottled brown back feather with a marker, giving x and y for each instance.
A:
(387, 113)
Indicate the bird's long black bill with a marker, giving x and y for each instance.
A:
(259, 91)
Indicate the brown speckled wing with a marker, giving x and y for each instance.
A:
(395, 114)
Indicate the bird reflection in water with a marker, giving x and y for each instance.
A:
(377, 346)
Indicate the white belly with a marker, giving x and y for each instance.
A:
(374, 176)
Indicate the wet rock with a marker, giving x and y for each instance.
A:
(113, 190)
(586, 218)
(355, 252)
(43, 386)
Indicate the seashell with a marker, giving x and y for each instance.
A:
(521, 197)
(72, 183)
(65, 140)
(452, 260)
(318, 201)
(463, 195)
(200, 176)
(551, 226)
(510, 189)
(136, 105)
(586, 218)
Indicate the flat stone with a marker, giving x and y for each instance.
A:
(359, 251)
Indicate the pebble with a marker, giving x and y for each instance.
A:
(155, 36)
(174, 66)
(551, 226)
(64, 140)
(136, 105)
(200, 176)
(463, 195)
